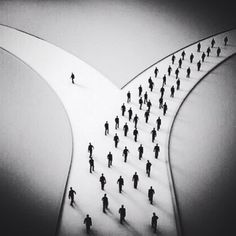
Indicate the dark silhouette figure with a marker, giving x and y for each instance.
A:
(177, 73)
(156, 72)
(135, 120)
(183, 55)
(199, 65)
(120, 182)
(149, 105)
(72, 78)
(140, 90)
(208, 51)
(145, 98)
(188, 72)
(191, 57)
(218, 51)
(117, 122)
(109, 158)
(156, 150)
(135, 179)
(123, 109)
(148, 168)
(146, 115)
(122, 212)
(91, 165)
(102, 181)
(158, 121)
(154, 134)
(130, 113)
(151, 84)
(104, 203)
(88, 223)
(162, 91)
(128, 97)
(164, 80)
(169, 70)
(178, 84)
(165, 108)
(173, 59)
(106, 128)
(226, 40)
(172, 91)
(203, 56)
(213, 42)
(151, 193)
(140, 101)
(140, 152)
(160, 102)
(198, 47)
(71, 196)
(125, 154)
(154, 222)
(126, 129)
(180, 63)
(135, 133)
(90, 149)
(116, 140)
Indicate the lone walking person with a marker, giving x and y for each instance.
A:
(130, 113)
(120, 182)
(90, 149)
(123, 109)
(91, 165)
(116, 140)
(191, 57)
(156, 150)
(188, 72)
(106, 128)
(109, 158)
(165, 108)
(148, 168)
(154, 134)
(158, 121)
(104, 203)
(135, 133)
(140, 152)
(72, 78)
(71, 196)
(117, 122)
(135, 121)
(125, 154)
(102, 181)
(135, 179)
(199, 65)
(151, 193)
(218, 51)
(226, 40)
(128, 97)
(154, 222)
(122, 212)
(88, 223)
(126, 129)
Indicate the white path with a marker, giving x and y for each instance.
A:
(91, 102)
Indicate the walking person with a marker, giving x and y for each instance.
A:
(122, 212)
(72, 78)
(178, 84)
(120, 182)
(169, 70)
(140, 90)
(149, 104)
(102, 181)
(156, 72)
(128, 97)
(88, 223)
(90, 149)
(130, 113)
(140, 152)
(135, 133)
(165, 108)
(199, 65)
(218, 51)
(104, 203)
(106, 128)
(208, 51)
(177, 73)
(173, 59)
(125, 154)
(135, 120)
(162, 90)
(140, 101)
(164, 80)
(213, 42)
(198, 47)
(71, 196)
(188, 72)
(172, 91)
(126, 129)
(145, 98)
(151, 193)
(203, 56)
(158, 121)
(183, 55)
(154, 134)
(191, 57)
(154, 222)
(109, 158)
(148, 168)
(123, 109)
(180, 63)
(135, 179)
(226, 40)
(146, 115)
(151, 85)
(160, 102)
(116, 140)
(117, 122)
(156, 150)
(91, 165)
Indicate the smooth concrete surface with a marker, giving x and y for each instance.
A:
(203, 155)
(35, 151)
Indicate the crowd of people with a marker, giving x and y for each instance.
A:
(144, 101)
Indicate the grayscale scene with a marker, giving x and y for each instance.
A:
(118, 117)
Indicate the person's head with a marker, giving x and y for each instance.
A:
(154, 214)
(105, 194)
(136, 173)
(122, 206)
(102, 174)
(87, 215)
(70, 188)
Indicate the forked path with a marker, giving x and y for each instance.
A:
(94, 100)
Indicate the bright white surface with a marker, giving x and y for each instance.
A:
(91, 102)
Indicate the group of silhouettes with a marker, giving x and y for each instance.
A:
(142, 99)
